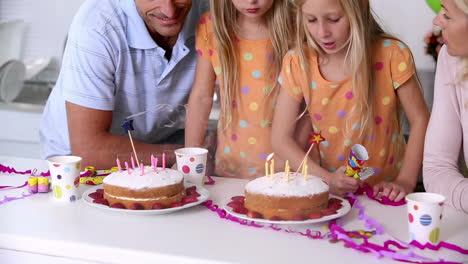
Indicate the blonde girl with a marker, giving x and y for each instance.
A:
(241, 43)
(353, 76)
(446, 134)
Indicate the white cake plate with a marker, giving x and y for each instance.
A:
(346, 207)
(204, 194)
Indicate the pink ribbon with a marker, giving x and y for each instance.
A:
(6, 169)
(209, 180)
(366, 189)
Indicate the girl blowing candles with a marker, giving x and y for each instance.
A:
(352, 76)
(241, 43)
(445, 135)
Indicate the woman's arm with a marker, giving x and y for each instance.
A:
(199, 104)
(286, 146)
(444, 139)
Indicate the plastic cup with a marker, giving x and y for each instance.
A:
(191, 162)
(424, 215)
(65, 177)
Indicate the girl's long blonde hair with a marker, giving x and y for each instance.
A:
(225, 16)
(463, 5)
(364, 33)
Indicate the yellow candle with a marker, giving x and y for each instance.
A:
(305, 171)
(272, 167)
(266, 169)
(287, 171)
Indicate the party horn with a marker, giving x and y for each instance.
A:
(356, 160)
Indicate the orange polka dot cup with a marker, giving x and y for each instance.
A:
(424, 216)
(65, 177)
(192, 163)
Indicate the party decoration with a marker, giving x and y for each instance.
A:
(357, 157)
(314, 140)
(434, 5)
(128, 126)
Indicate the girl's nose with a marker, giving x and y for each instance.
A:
(323, 30)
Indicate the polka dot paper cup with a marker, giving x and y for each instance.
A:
(192, 163)
(65, 177)
(424, 215)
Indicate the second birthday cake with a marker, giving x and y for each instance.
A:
(282, 197)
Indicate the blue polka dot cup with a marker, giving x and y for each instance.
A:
(65, 177)
(424, 216)
(192, 163)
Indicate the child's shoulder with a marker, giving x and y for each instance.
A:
(293, 55)
(384, 44)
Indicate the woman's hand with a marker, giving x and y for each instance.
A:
(340, 184)
(395, 191)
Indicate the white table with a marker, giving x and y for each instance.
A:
(37, 228)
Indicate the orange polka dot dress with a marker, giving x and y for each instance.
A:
(245, 143)
(330, 104)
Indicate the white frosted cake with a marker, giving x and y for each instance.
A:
(162, 187)
(276, 198)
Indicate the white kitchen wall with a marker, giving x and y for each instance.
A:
(48, 22)
(410, 20)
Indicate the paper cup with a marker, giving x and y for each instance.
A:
(65, 177)
(424, 215)
(192, 163)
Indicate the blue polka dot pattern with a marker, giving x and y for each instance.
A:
(256, 74)
(66, 169)
(425, 220)
(59, 176)
(227, 150)
(280, 80)
(387, 43)
(72, 198)
(199, 168)
(325, 143)
(401, 45)
(252, 170)
(313, 85)
(243, 123)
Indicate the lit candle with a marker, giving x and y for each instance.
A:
(269, 173)
(133, 162)
(164, 161)
(118, 165)
(287, 171)
(127, 168)
(272, 167)
(142, 168)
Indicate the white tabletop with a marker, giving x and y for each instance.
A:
(80, 233)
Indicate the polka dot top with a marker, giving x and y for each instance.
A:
(330, 103)
(245, 143)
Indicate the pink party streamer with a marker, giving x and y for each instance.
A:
(209, 180)
(5, 169)
(7, 199)
(14, 187)
(366, 189)
(369, 222)
(224, 215)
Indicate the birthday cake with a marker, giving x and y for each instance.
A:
(152, 189)
(278, 197)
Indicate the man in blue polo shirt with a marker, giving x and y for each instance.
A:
(123, 58)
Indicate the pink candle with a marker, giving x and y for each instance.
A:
(118, 165)
(142, 168)
(164, 160)
(133, 162)
(155, 164)
(127, 168)
(152, 160)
